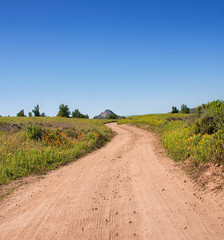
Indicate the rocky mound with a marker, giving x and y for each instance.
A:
(105, 114)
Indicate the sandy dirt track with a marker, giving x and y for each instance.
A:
(125, 190)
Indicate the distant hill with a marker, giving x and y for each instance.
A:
(105, 114)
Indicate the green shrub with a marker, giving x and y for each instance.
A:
(206, 124)
(34, 132)
(217, 147)
(199, 110)
(212, 120)
(216, 110)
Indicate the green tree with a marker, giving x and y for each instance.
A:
(175, 110)
(21, 113)
(43, 114)
(184, 109)
(30, 114)
(84, 116)
(36, 111)
(64, 111)
(77, 114)
(112, 116)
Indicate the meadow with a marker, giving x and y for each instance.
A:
(198, 137)
(38, 144)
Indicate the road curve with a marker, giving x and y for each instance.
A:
(125, 190)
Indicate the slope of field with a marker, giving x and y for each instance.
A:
(126, 190)
(35, 145)
(198, 138)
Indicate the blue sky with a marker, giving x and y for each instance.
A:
(133, 57)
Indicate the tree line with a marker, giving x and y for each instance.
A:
(183, 109)
(63, 112)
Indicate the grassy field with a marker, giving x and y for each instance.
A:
(197, 137)
(35, 145)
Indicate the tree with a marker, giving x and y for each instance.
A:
(77, 114)
(43, 114)
(63, 111)
(36, 111)
(184, 109)
(30, 114)
(21, 113)
(175, 110)
(84, 116)
(112, 116)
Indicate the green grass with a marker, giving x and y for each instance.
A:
(42, 144)
(178, 136)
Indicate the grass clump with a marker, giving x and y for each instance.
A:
(34, 132)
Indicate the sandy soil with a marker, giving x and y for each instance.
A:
(125, 190)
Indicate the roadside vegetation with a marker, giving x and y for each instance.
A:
(198, 137)
(37, 144)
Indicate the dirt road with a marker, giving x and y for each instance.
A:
(126, 190)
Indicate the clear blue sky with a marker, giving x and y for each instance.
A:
(133, 57)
